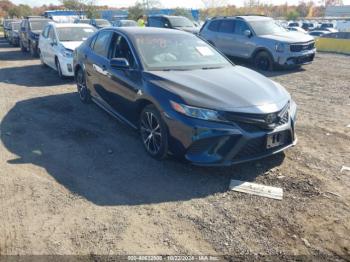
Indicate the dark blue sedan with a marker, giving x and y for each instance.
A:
(183, 96)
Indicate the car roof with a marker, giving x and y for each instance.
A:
(133, 31)
(246, 17)
(65, 25)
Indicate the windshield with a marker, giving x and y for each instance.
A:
(267, 27)
(102, 22)
(180, 22)
(74, 33)
(177, 52)
(16, 26)
(38, 25)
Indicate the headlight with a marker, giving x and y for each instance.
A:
(195, 112)
(293, 108)
(67, 53)
(280, 47)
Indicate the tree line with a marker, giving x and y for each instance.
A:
(211, 8)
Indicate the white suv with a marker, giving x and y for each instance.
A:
(58, 42)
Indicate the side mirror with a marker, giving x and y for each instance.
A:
(53, 42)
(119, 63)
(247, 33)
(166, 25)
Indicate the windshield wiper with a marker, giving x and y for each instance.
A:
(211, 67)
(175, 69)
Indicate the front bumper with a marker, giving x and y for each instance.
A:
(219, 144)
(296, 58)
(66, 65)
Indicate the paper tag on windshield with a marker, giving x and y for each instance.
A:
(204, 50)
(88, 30)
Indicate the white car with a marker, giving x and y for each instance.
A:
(58, 42)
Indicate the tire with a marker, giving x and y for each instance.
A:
(59, 70)
(32, 50)
(23, 49)
(41, 59)
(263, 61)
(83, 91)
(153, 132)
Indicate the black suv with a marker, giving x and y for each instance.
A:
(172, 22)
(30, 30)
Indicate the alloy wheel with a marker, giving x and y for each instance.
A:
(82, 88)
(151, 132)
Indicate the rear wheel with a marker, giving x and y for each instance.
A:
(32, 50)
(153, 132)
(263, 61)
(83, 91)
(41, 59)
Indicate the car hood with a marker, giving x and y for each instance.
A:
(72, 45)
(193, 30)
(231, 88)
(289, 37)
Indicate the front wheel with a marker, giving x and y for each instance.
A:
(263, 61)
(153, 132)
(32, 50)
(59, 69)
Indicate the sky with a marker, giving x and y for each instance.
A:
(164, 3)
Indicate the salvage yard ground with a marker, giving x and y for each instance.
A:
(75, 181)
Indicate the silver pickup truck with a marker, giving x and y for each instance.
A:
(259, 39)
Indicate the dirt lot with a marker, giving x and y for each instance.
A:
(75, 181)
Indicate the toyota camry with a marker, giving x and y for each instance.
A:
(183, 96)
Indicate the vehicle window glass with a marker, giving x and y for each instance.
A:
(214, 26)
(92, 42)
(156, 22)
(240, 27)
(121, 49)
(66, 34)
(102, 43)
(51, 33)
(46, 32)
(227, 26)
(177, 52)
(267, 27)
(38, 25)
(180, 21)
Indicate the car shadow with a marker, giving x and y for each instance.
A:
(275, 72)
(15, 55)
(96, 157)
(32, 76)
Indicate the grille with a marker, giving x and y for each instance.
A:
(302, 47)
(252, 122)
(257, 146)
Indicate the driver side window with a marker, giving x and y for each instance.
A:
(121, 49)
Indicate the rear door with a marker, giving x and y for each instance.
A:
(97, 63)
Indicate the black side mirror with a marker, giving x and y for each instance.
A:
(119, 63)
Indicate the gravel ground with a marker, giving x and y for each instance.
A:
(75, 181)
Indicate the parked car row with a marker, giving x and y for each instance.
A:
(181, 93)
